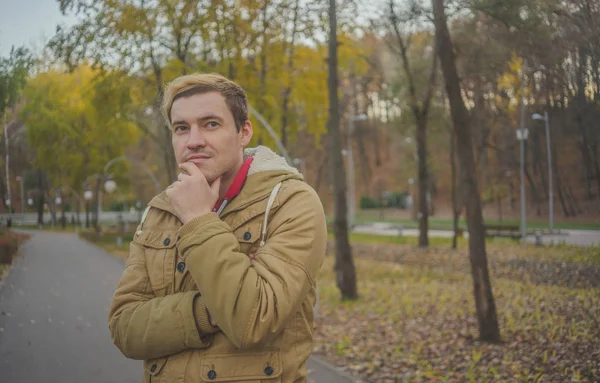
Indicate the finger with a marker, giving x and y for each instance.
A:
(190, 169)
(181, 176)
(215, 186)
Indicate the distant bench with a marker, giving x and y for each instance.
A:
(502, 231)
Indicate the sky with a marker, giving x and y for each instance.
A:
(28, 22)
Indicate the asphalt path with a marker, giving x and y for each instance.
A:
(54, 314)
(568, 237)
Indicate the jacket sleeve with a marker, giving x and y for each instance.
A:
(145, 327)
(252, 301)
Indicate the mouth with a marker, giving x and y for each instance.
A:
(196, 158)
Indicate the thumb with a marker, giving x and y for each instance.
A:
(215, 186)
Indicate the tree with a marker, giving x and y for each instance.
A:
(76, 122)
(156, 37)
(419, 103)
(14, 71)
(344, 264)
(484, 299)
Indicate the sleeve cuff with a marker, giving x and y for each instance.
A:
(202, 317)
(198, 221)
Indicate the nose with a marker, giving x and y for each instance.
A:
(196, 138)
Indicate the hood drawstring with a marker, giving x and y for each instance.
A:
(269, 206)
(139, 232)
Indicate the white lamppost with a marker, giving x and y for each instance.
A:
(87, 195)
(351, 188)
(522, 134)
(110, 186)
(545, 118)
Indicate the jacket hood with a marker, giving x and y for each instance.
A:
(267, 170)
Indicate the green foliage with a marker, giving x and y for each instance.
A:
(14, 71)
(367, 202)
(77, 122)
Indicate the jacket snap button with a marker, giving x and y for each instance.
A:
(269, 371)
(247, 236)
(212, 375)
(153, 368)
(166, 241)
(181, 267)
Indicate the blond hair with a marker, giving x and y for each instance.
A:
(188, 85)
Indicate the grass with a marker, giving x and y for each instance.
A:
(56, 228)
(108, 241)
(415, 321)
(365, 217)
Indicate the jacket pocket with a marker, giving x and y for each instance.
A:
(248, 236)
(152, 368)
(160, 253)
(256, 367)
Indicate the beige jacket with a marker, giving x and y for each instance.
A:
(263, 308)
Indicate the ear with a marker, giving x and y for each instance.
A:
(246, 133)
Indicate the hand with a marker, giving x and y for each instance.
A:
(191, 196)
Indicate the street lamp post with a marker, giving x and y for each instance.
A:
(20, 180)
(57, 203)
(351, 188)
(522, 136)
(87, 195)
(111, 186)
(545, 118)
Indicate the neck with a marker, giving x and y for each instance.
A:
(228, 178)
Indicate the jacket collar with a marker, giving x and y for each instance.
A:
(267, 169)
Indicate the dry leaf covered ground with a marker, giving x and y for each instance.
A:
(18, 239)
(415, 320)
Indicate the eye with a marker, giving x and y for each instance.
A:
(180, 128)
(213, 124)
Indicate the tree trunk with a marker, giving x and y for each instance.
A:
(484, 299)
(96, 205)
(594, 148)
(499, 204)
(41, 199)
(166, 147)
(561, 197)
(169, 156)
(344, 264)
(87, 214)
(455, 209)
(321, 171)
(78, 210)
(580, 106)
(287, 92)
(537, 163)
(423, 183)
(63, 219)
(535, 198)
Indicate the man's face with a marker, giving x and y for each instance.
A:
(204, 133)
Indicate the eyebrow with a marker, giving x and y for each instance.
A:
(207, 117)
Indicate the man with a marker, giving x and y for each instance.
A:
(220, 280)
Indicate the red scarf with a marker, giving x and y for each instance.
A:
(236, 186)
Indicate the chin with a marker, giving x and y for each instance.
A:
(210, 176)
